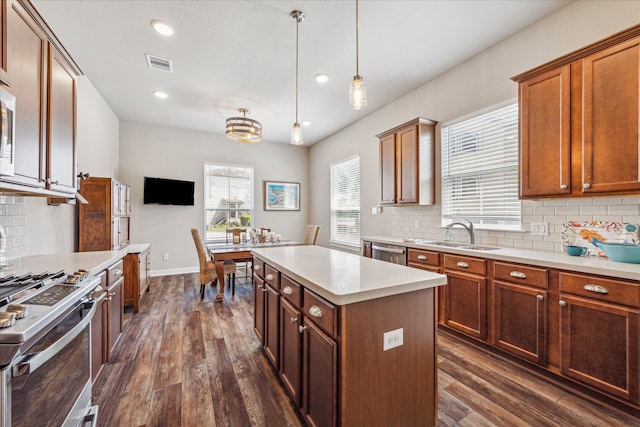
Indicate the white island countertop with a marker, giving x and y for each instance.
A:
(345, 278)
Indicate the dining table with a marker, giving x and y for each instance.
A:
(237, 252)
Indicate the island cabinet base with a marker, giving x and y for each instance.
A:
(393, 387)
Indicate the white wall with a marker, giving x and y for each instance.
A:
(165, 152)
(479, 83)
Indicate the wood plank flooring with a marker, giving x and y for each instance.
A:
(188, 363)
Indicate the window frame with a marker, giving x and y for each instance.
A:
(337, 239)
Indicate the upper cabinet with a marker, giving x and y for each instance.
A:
(579, 121)
(42, 76)
(407, 163)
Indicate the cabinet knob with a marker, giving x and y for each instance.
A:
(293, 320)
(269, 277)
(586, 185)
(462, 264)
(287, 290)
(301, 328)
(264, 289)
(422, 257)
(98, 289)
(315, 311)
(518, 275)
(562, 303)
(564, 186)
(256, 267)
(118, 272)
(539, 297)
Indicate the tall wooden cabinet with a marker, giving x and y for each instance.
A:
(137, 267)
(579, 121)
(104, 221)
(407, 163)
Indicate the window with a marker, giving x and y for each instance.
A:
(345, 202)
(228, 199)
(480, 169)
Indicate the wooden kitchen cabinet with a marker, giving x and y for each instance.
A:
(520, 311)
(367, 249)
(568, 109)
(99, 329)
(115, 281)
(137, 266)
(101, 224)
(43, 78)
(291, 350)
(466, 295)
(429, 261)
(407, 163)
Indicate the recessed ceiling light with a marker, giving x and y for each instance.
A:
(163, 28)
(306, 123)
(160, 94)
(322, 78)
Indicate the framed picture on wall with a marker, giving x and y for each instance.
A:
(281, 196)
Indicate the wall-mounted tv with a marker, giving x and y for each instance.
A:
(162, 191)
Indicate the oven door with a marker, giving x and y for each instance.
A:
(50, 384)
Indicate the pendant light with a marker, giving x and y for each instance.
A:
(296, 131)
(357, 90)
(243, 129)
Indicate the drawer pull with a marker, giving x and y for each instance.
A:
(264, 289)
(315, 311)
(293, 320)
(257, 267)
(269, 276)
(422, 257)
(287, 290)
(562, 303)
(518, 275)
(539, 297)
(596, 288)
(301, 328)
(118, 272)
(564, 186)
(462, 264)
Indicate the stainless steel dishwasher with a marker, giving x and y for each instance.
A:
(389, 253)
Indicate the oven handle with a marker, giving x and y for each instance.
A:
(32, 362)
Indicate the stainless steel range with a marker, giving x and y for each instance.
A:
(45, 349)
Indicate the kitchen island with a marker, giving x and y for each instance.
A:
(353, 339)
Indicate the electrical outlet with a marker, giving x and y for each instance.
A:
(165, 257)
(539, 228)
(392, 339)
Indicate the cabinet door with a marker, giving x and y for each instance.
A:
(61, 131)
(388, 170)
(610, 124)
(407, 167)
(367, 249)
(599, 345)
(272, 324)
(291, 350)
(520, 321)
(258, 307)
(98, 336)
(545, 145)
(319, 376)
(27, 72)
(3, 40)
(466, 304)
(115, 314)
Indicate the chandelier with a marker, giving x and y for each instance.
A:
(243, 129)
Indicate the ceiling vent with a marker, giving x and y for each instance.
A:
(157, 63)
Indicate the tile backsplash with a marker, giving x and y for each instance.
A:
(556, 212)
(14, 220)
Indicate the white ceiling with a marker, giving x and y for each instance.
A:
(232, 54)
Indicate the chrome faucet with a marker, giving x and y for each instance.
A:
(467, 225)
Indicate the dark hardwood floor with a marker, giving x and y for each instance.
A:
(186, 362)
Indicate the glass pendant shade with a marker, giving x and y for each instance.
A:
(296, 134)
(357, 93)
(243, 129)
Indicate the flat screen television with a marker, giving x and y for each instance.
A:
(162, 191)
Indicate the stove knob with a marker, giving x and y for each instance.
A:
(20, 310)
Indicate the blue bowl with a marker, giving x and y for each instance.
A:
(621, 252)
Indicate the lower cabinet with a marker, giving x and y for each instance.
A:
(258, 307)
(99, 329)
(271, 340)
(136, 277)
(291, 350)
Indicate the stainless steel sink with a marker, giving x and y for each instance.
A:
(457, 245)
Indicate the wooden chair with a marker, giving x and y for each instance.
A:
(311, 234)
(208, 267)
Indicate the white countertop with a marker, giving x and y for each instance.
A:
(344, 278)
(585, 264)
(95, 261)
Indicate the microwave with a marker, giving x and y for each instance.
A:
(7, 132)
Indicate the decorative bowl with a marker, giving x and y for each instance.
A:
(621, 252)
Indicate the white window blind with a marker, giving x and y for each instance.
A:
(480, 169)
(228, 199)
(345, 202)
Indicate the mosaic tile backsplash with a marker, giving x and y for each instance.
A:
(13, 218)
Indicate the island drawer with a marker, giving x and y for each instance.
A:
(321, 312)
(521, 274)
(272, 276)
(422, 258)
(466, 264)
(114, 273)
(258, 268)
(617, 291)
(291, 290)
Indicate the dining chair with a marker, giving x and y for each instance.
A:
(233, 236)
(311, 234)
(208, 267)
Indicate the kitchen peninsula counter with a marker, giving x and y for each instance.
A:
(353, 339)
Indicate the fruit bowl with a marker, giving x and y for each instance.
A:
(621, 252)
